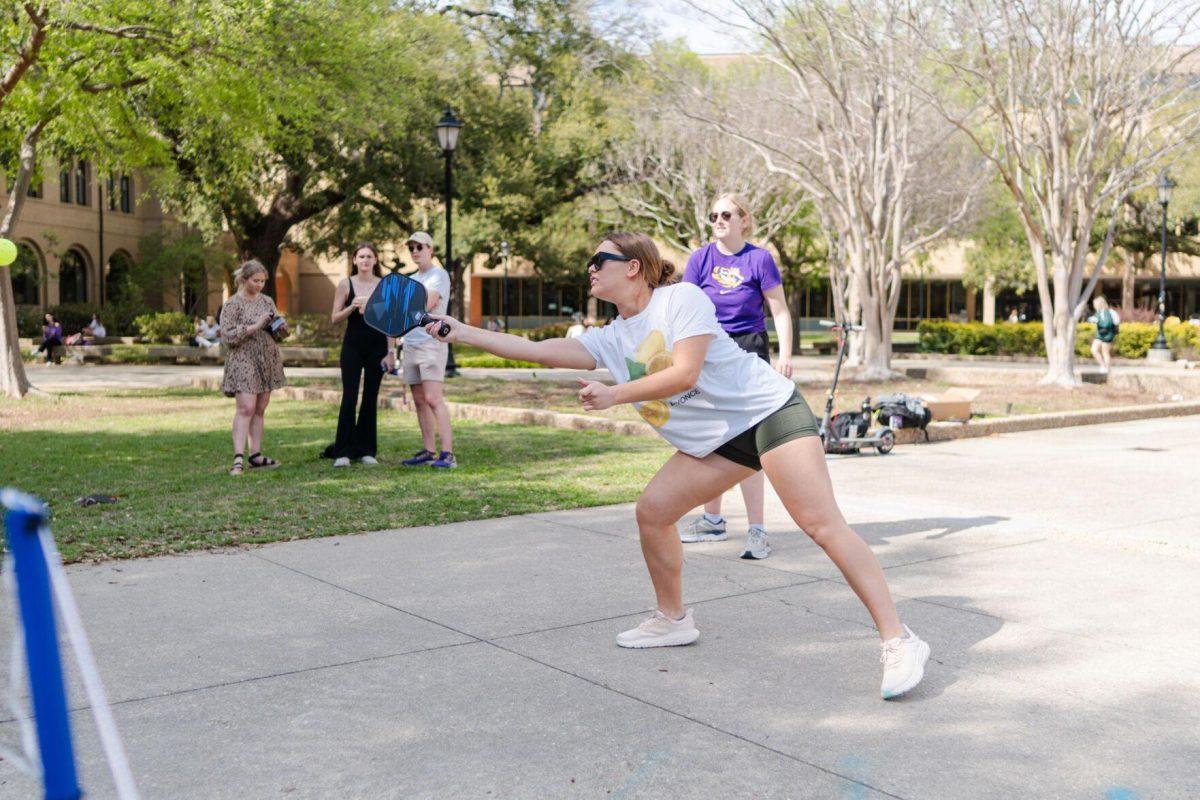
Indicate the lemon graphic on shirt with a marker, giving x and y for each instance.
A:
(651, 346)
(659, 362)
(655, 412)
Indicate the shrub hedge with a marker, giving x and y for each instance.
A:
(1026, 338)
(162, 325)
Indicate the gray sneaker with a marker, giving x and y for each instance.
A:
(701, 530)
(757, 544)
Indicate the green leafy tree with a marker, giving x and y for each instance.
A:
(65, 81)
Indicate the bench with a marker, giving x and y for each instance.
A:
(821, 347)
(87, 352)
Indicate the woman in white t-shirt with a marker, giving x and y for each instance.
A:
(728, 412)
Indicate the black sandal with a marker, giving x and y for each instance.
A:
(237, 468)
(259, 461)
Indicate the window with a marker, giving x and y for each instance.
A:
(64, 186)
(83, 184)
(112, 196)
(126, 194)
(26, 271)
(72, 278)
(35, 187)
(119, 268)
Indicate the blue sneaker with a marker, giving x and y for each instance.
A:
(445, 460)
(421, 459)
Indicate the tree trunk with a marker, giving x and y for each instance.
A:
(1127, 276)
(13, 381)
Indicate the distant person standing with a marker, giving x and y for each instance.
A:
(253, 366)
(365, 354)
(1108, 324)
(425, 363)
(577, 327)
(739, 277)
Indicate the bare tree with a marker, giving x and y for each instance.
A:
(669, 172)
(1079, 102)
(836, 106)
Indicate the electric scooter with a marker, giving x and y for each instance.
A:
(857, 433)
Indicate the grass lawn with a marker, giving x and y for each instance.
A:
(165, 454)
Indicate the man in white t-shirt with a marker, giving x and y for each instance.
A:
(425, 363)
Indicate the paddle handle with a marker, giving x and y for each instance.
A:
(444, 330)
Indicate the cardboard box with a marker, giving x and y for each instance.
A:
(954, 403)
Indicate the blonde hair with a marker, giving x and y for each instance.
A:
(656, 270)
(248, 270)
(1100, 303)
(743, 208)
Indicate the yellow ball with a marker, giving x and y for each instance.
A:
(8, 252)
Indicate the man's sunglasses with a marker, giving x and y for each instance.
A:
(725, 215)
(596, 262)
(416, 248)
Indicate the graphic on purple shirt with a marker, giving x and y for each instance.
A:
(736, 284)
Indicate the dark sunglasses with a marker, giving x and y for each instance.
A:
(725, 215)
(416, 248)
(596, 262)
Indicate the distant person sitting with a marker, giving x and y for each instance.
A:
(51, 339)
(1014, 317)
(493, 324)
(208, 333)
(90, 333)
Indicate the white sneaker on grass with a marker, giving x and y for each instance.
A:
(757, 544)
(903, 661)
(701, 530)
(660, 631)
(368, 460)
(341, 462)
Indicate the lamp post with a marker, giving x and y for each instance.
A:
(1159, 350)
(504, 296)
(447, 133)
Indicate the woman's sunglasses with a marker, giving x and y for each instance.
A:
(725, 215)
(596, 262)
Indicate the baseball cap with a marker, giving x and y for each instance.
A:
(421, 237)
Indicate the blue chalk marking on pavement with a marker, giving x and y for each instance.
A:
(650, 760)
(1120, 793)
(852, 765)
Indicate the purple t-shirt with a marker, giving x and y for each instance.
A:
(736, 284)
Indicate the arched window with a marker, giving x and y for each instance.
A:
(26, 276)
(72, 278)
(119, 267)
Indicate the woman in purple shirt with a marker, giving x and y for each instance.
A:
(738, 276)
(51, 339)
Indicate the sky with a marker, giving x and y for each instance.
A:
(702, 33)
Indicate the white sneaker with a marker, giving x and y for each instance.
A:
(701, 530)
(368, 460)
(659, 631)
(903, 661)
(757, 544)
(341, 462)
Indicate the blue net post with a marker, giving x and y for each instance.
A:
(22, 523)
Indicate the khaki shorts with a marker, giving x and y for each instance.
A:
(425, 362)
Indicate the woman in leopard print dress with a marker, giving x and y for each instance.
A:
(253, 366)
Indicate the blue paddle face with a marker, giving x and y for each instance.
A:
(396, 306)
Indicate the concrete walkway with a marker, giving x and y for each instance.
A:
(1054, 574)
(93, 377)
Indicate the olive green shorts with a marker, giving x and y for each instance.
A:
(793, 420)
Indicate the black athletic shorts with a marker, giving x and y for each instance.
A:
(756, 343)
(793, 420)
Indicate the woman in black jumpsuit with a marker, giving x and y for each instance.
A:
(363, 351)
